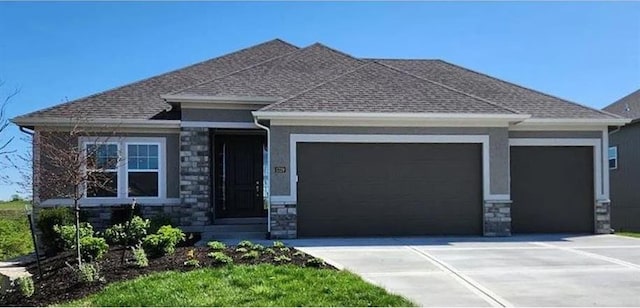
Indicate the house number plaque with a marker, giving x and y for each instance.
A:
(280, 169)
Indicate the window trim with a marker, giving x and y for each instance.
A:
(160, 165)
(122, 170)
(615, 157)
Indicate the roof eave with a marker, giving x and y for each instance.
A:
(94, 122)
(184, 98)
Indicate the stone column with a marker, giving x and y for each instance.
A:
(603, 217)
(195, 183)
(497, 218)
(284, 221)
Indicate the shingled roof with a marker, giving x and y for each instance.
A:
(320, 79)
(141, 100)
(628, 106)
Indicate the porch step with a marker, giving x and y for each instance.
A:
(228, 228)
(241, 221)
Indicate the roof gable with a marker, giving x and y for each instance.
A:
(280, 77)
(628, 106)
(141, 100)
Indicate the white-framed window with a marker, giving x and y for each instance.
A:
(143, 169)
(134, 167)
(613, 157)
(102, 163)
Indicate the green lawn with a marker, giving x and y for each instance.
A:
(15, 237)
(631, 234)
(256, 285)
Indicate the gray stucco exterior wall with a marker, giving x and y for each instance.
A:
(217, 115)
(555, 134)
(498, 143)
(625, 199)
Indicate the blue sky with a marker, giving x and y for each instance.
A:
(586, 52)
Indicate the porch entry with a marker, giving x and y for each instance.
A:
(238, 176)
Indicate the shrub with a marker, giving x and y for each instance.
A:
(93, 248)
(270, 251)
(47, 219)
(66, 234)
(158, 221)
(258, 247)
(215, 245)
(284, 249)
(245, 244)
(128, 234)
(242, 249)
(191, 259)
(314, 262)
(298, 254)
(163, 242)
(25, 286)
(282, 259)
(15, 238)
(140, 257)
(89, 272)
(278, 244)
(251, 255)
(220, 258)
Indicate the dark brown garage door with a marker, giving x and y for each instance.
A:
(389, 189)
(552, 189)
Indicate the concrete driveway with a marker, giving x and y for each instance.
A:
(549, 270)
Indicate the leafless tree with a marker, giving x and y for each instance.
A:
(4, 121)
(66, 167)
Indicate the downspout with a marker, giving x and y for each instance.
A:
(267, 192)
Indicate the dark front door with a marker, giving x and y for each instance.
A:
(239, 176)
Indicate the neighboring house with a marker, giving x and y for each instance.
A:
(348, 147)
(624, 165)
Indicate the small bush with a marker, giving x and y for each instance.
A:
(158, 221)
(163, 242)
(219, 257)
(314, 262)
(278, 244)
(66, 234)
(89, 272)
(282, 259)
(284, 249)
(257, 247)
(93, 248)
(192, 263)
(242, 249)
(47, 219)
(270, 251)
(128, 234)
(25, 286)
(298, 254)
(215, 245)
(251, 255)
(245, 244)
(140, 257)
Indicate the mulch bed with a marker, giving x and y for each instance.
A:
(59, 283)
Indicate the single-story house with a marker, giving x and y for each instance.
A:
(624, 164)
(313, 142)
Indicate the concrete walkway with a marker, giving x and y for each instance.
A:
(549, 270)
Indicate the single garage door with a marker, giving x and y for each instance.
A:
(552, 189)
(347, 189)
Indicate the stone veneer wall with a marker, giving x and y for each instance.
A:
(497, 218)
(284, 221)
(100, 216)
(603, 217)
(194, 176)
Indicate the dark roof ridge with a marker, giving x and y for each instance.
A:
(529, 89)
(451, 89)
(152, 77)
(335, 51)
(315, 87)
(399, 59)
(299, 50)
(237, 71)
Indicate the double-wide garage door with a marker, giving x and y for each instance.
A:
(552, 189)
(364, 189)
